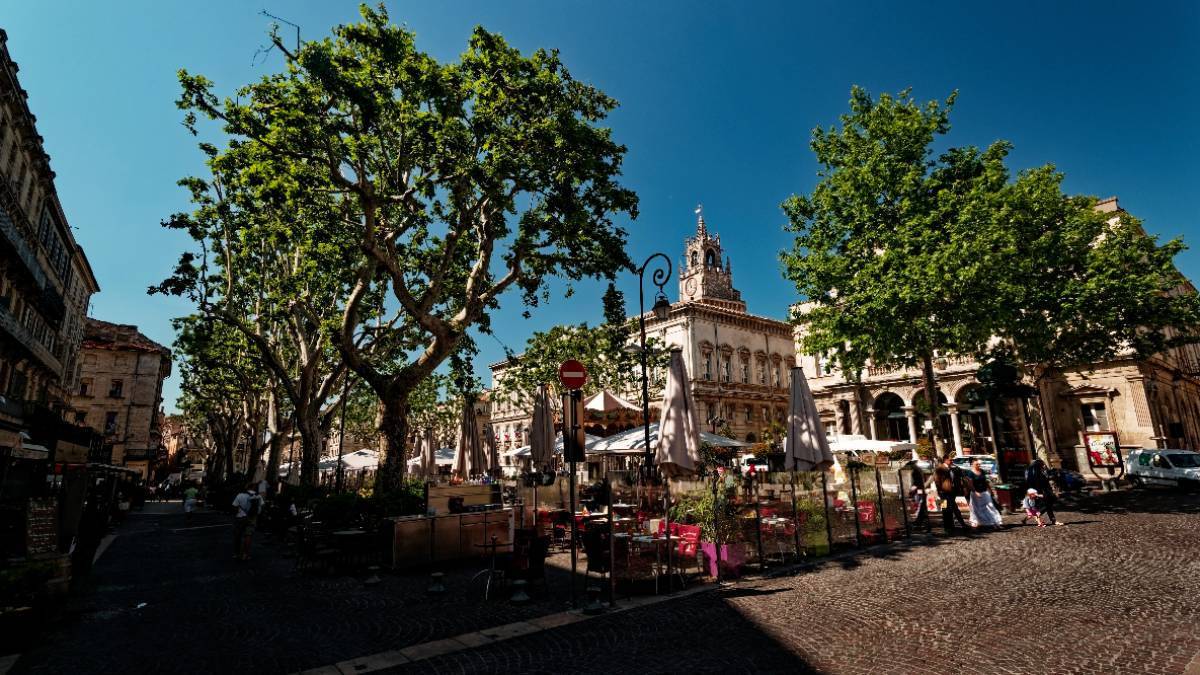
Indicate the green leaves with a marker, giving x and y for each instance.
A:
(391, 199)
(886, 242)
(899, 253)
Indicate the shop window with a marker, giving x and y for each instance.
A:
(1095, 417)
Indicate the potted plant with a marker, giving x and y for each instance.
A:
(716, 515)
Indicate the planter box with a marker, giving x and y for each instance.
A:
(733, 558)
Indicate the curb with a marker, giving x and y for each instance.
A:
(427, 650)
(487, 636)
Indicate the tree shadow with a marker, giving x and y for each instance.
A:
(1154, 500)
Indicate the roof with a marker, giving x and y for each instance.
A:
(99, 334)
(606, 401)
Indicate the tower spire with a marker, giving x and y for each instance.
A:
(701, 230)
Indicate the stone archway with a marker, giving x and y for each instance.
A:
(920, 409)
(891, 420)
(975, 427)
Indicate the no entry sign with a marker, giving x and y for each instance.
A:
(572, 374)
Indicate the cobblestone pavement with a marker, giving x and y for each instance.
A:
(1116, 591)
(207, 613)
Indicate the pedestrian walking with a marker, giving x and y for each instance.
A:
(1030, 504)
(248, 505)
(948, 480)
(189, 501)
(983, 505)
(1037, 478)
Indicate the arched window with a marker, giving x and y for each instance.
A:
(710, 260)
(695, 259)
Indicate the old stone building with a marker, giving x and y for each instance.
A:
(120, 392)
(1152, 402)
(738, 363)
(46, 282)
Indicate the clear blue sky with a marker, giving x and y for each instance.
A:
(717, 103)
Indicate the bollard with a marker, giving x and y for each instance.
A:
(436, 585)
(594, 605)
(519, 596)
(373, 578)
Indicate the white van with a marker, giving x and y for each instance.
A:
(1179, 468)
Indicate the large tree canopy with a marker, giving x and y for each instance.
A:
(899, 253)
(457, 181)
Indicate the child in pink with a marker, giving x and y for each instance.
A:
(1031, 507)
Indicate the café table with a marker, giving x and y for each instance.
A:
(659, 543)
(351, 545)
(490, 548)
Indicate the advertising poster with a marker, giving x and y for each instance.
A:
(1102, 449)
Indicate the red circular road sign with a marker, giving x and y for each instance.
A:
(572, 374)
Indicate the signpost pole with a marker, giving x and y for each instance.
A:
(572, 375)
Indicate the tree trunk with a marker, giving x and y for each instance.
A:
(310, 447)
(393, 427)
(929, 381)
(274, 454)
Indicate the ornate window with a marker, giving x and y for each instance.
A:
(1095, 417)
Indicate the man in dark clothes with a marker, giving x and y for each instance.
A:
(948, 479)
(1037, 478)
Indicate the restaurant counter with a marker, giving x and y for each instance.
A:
(422, 540)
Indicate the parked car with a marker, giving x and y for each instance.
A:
(760, 464)
(1066, 480)
(988, 462)
(1178, 468)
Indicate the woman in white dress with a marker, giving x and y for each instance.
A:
(983, 507)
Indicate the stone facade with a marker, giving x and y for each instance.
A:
(738, 363)
(1151, 402)
(45, 279)
(120, 392)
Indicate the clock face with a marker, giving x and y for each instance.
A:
(690, 286)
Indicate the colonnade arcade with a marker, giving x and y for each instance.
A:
(898, 413)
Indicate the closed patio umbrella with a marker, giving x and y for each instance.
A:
(416, 463)
(806, 448)
(678, 450)
(541, 442)
(468, 457)
(491, 455)
(429, 461)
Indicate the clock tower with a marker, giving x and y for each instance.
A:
(702, 276)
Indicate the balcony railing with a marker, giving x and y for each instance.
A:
(9, 324)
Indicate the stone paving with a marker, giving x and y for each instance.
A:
(1115, 591)
(207, 613)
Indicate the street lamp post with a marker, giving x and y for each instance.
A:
(661, 309)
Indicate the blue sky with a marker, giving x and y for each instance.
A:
(717, 103)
